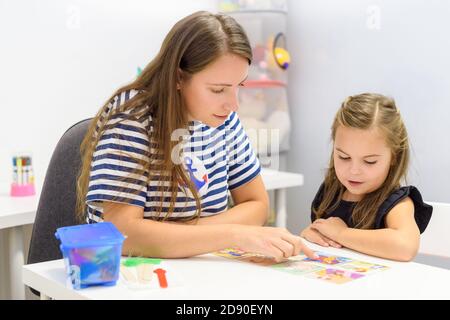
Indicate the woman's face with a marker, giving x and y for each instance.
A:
(212, 94)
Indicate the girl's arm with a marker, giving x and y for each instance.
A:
(251, 206)
(166, 240)
(398, 241)
(316, 237)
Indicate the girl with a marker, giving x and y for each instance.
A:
(162, 154)
(361, 205)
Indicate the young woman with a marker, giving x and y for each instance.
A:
(163, 153)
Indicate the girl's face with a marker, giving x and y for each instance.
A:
(361, 159)
(212, 94)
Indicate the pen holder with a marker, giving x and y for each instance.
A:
(23, 177)
(23, 190)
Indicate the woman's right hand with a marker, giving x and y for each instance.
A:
(316, 237)
(278, 243)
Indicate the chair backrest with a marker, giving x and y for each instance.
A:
(56, 206)
(436, 238)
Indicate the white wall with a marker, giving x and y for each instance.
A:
(399, 48)
(62, 59)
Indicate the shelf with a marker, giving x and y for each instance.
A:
(264, 84)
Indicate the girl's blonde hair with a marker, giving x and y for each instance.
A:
(191, 45)
(367, 111)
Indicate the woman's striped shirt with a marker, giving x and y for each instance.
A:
(216, 159)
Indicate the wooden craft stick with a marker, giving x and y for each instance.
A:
(145, 272)
(128, 274)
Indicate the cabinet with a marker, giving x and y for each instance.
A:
(264, 110)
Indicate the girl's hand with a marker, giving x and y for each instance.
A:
(316, 237)
(330, 228)
(278, 243)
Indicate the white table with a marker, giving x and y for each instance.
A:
(209, 277)
(17, 212)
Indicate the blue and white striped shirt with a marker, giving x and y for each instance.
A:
(216, 159)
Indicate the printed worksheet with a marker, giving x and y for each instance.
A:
(330, 268)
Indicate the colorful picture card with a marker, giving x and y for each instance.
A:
(330, 268)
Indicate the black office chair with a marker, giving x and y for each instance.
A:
(57, 202)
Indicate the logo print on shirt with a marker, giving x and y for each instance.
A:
(197, 173)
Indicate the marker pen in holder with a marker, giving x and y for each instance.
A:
(23, 180)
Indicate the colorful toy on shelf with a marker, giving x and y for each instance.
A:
(281, 55)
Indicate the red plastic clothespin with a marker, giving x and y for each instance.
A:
(161, 277)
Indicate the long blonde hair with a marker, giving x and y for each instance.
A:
(191, 45)
(366, 111)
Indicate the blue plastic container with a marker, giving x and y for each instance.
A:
(91, 253)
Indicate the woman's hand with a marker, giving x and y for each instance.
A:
(330, 228)
(318, 238)
(278, 243)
